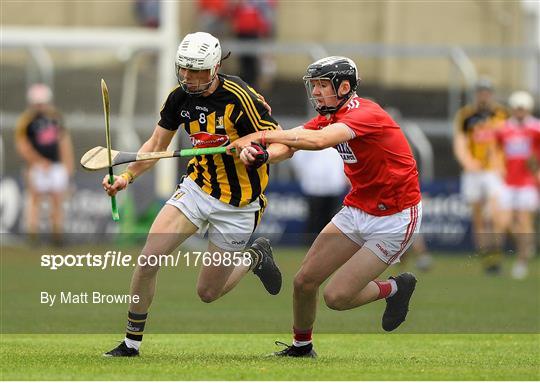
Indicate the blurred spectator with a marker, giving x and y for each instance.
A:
(519, 198)
(147, 12)
(213, 17)
(475, 150)
(46, 148)
(252, 20)
(323, 181)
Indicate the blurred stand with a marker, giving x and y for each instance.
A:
(252, 20)
(323, 181)
(213, 16)
(147, 12)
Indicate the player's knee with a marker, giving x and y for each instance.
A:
(304, 283)
(146, 268)
(207, 294)
(146, 271)
(336, 300)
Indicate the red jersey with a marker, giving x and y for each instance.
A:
(249, 20)
(378, 160)
(519, 142)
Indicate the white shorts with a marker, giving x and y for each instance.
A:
(54, 179)
(519, 198)
(387, 236)
(229, 227)
(478, 186)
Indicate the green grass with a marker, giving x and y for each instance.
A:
(243, 357)
(463, 325)
(456, 297)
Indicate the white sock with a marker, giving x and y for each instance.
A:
(132, 343)
(297, 343)
(394, 287)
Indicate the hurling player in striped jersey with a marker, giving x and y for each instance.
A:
(218, 192)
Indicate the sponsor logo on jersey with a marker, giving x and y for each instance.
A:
(208, 140)
(203, 108)
(346, 153)
(518, 147)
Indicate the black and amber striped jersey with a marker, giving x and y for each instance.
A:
(479, 126)
(43, 129)
(233, 110)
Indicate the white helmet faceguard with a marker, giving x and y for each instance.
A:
(198, 51)
(521, 99)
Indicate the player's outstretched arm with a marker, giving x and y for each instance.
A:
(159, 141)
(298, 138)
(255, 155)
(278, 152)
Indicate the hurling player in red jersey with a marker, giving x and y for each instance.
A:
(381, 214)
(519, 198)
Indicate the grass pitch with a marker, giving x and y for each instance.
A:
(243, 357)
(463, 325)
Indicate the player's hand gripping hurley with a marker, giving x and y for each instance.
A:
(107, 112)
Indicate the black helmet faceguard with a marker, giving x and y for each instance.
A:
(336, 69)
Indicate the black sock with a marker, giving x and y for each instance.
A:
(135, 326)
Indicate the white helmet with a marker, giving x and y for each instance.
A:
(39, 94)
(521, 99)
(198, 51)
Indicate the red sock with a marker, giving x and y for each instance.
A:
(385, 288)
(302, 337)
